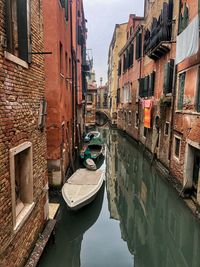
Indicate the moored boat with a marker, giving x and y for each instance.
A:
(82, 187)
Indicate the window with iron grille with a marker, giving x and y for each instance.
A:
(18, 28)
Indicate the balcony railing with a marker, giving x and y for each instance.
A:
(157, 40)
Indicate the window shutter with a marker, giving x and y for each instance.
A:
(119, 67)
(151, 83)
(141, 87)
(168, 77)
(146, 85)
(8, 22)
(181, 90)
(66, 9)
(62, 2)
(24, 32)
(138, 46)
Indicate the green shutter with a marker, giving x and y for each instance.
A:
(66, 9)
(146, 85)
(62, 2)
(168, 77)
(24, 35)
(138, 46)
(181, 90)
(8, 21)
(141, 87)
(151, 83)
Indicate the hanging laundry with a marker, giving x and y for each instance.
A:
(188, 41)
(147, 118)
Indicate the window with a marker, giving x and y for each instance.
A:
(21, 172)
(131, 55)
(61, 58)
(168, 77)
(127, 93)
(124, 63)
(66, 65)
(136, 120)
(145, 132)
(62, 2)
(138, 46)
(146, 85)
(129, 117)
(18, 30)
(89, 98)
(167, 128)
(181, 86)
(183, 16)
(119, 67)
(118, 96)
(177, 144)
(66, 9)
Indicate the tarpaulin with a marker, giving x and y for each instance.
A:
(187, 43)
(147, 117)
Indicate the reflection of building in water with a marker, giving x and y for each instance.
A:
(111, 161)
(157, 227)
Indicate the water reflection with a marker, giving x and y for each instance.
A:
(71, 227)
(158, 228)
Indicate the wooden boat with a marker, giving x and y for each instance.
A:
(82, 187)
(92, 150)
(92, 135)
(90, 165)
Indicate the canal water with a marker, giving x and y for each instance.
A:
(136, 220)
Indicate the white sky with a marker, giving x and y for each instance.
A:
(102, 15)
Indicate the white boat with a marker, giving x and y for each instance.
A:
(82, 187)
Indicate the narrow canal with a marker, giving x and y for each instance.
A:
(136, 220)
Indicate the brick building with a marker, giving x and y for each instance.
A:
(158, 95)
(117, 42)
(91, 100)
(23, 167)
(65, 37)
(129, 72)
(185, 154)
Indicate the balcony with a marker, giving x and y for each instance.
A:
(157, 41)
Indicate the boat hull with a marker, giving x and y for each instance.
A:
(82, 188)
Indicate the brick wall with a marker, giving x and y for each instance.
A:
(21, 90)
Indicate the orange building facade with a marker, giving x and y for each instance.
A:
(65, 38)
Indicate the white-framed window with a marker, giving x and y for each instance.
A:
(21, 174)
(177, 147)
(127, 93)
(18, 29)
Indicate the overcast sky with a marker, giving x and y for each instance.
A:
(102, 15)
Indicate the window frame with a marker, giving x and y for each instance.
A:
(174, 149)
(18, 220)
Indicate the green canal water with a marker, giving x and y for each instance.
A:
(136, 220)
